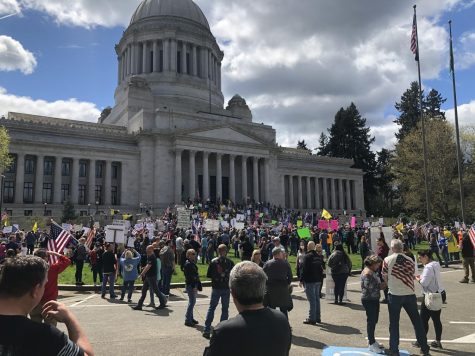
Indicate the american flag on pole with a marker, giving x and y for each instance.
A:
(425, 230)
(414, 39)
(58, 241)
(471, 233)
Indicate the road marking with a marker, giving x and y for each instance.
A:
(175, 303)
(469, 339)
(82, 301)
(461, 322)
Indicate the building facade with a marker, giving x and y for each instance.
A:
(168, 137)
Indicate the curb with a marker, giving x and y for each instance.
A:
(91, 288)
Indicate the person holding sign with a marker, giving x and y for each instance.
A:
(129, 262)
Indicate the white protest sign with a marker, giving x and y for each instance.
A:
(130, 241)
(239, 225)
(381, 221)
(66, 227)
(212, 225)
(151, 227)
(375, 233)
(224, 224)
(366, 224)
(240, 217)
(86, 230)
(161, 226)
(115, 234)
(7, 229)
(183, 218)
(457, 225)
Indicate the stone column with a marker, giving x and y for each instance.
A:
(137, 58)
(173, 53)
(57, 180)
(205, 176)
(20, 178)
(244, 177)
(75, 180)
(39, 179)
(183, 59)
(195, 62)
(219, 177)
(340, 194)
(144, 57)
(299, 187)
(91, 182)
(132, 59)
(108, 183)
(166, 55)
(210, 65)
(309, 195)
(348, 195)
(232, 179)
(178, 179)
(326, 205)
(205, 62)
(267, 197)
(119, 69)
(333, 194)
(219, 76)
(255, 173)
(359, 197)
(291, 192)
(317, 194)
(192, 185)
(156, 56)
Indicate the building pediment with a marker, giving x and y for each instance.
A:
(224, 134)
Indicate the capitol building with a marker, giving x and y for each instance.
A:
(169, 137)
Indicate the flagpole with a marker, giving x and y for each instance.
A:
(457, 132)
(424, 142)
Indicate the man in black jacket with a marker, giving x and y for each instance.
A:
(218, 271)
(256, 330)
(468, 260)
(311, 277)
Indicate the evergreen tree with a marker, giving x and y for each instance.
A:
(69, 213)
(387, 193)
(302, 145)
(322, 145)
(432, 104)
(409, 111)
(350, 138)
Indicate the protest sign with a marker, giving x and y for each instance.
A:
(334, 225)
(381, 221)
(323, 224)
(304, 233)
(150, 227)
(274, 222)
(240, 217)
(212, 225)
(183, 218)
(299, 223)
(353, 222)
(115, 234)
(239, 225)
(77, 228)
(97, 225)
(67, 227)
(7, 229)
(224, 224)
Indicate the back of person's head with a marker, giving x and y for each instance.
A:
(10, 253)
(339, 247)
(311, 246)
(248, 283)
(128, 255)
(20, 274)
(372, 260)
(397, 246)
(426, 253)
(41, 253)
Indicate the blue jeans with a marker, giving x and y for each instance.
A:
(409, 303)
(166, 279)
(152, 284)
(127, 286)
(216, 294)
(111, 278)
(191, 304)
(312, 290)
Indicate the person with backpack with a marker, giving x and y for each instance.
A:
(218, 271)
(340, 265)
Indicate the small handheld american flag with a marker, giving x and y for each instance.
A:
(59, 239)
(471, 233)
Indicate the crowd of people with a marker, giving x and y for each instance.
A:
(258, 285)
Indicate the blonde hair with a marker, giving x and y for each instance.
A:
(128, 255)
(254, 253)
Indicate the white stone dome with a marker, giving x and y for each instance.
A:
(177, 8)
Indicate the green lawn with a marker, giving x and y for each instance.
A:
(67, 277)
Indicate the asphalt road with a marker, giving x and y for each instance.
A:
(115, 329)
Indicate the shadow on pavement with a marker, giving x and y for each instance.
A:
(354, 306)
(340, 329)
(305, 342)
(160, 312)
(449, 352)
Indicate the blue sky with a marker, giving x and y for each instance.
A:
(295, 63)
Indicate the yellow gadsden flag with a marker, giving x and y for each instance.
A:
(326, 215)
(399, 227)
(35, 227)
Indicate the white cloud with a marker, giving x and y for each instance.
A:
(66, 109)
(14, 57)
(8, 7)
(466, 51)
(466, 114)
